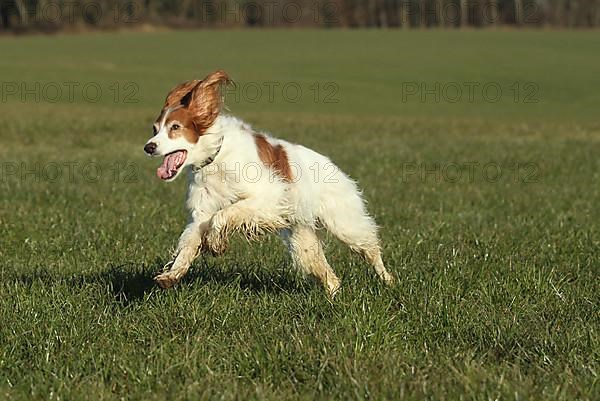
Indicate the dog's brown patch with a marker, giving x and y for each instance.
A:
(274, 157)
(188, 128)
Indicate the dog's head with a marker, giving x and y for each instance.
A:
(190, 109)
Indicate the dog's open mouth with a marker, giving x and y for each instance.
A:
(171, 164)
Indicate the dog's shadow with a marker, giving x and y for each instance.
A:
(131, 283)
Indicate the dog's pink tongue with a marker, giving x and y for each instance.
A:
(169, 165)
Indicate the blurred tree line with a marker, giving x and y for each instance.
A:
(53, 15)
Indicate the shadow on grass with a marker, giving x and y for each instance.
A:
(130, 283)
(126, 282)
(251, 277)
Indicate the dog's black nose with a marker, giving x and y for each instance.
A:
(150, 148)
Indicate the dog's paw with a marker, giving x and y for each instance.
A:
(167, 279)
(216, 242)
(333, 287)
(387, 278)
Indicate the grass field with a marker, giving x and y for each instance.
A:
(488, 211)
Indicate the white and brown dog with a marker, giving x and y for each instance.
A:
(249, 182)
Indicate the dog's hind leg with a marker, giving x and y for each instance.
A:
(343, 214)
(307, 253)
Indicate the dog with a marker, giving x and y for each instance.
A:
(249, 182)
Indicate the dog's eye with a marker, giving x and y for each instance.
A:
(154, 130)
(175, 127)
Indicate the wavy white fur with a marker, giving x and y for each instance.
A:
(237, 191)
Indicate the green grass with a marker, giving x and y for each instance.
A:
(498, 292)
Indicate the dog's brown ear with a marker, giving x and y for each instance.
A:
(207, 99)
(181, 94)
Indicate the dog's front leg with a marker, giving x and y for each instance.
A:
(216, 240)
(247, 216)
(188, 248)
